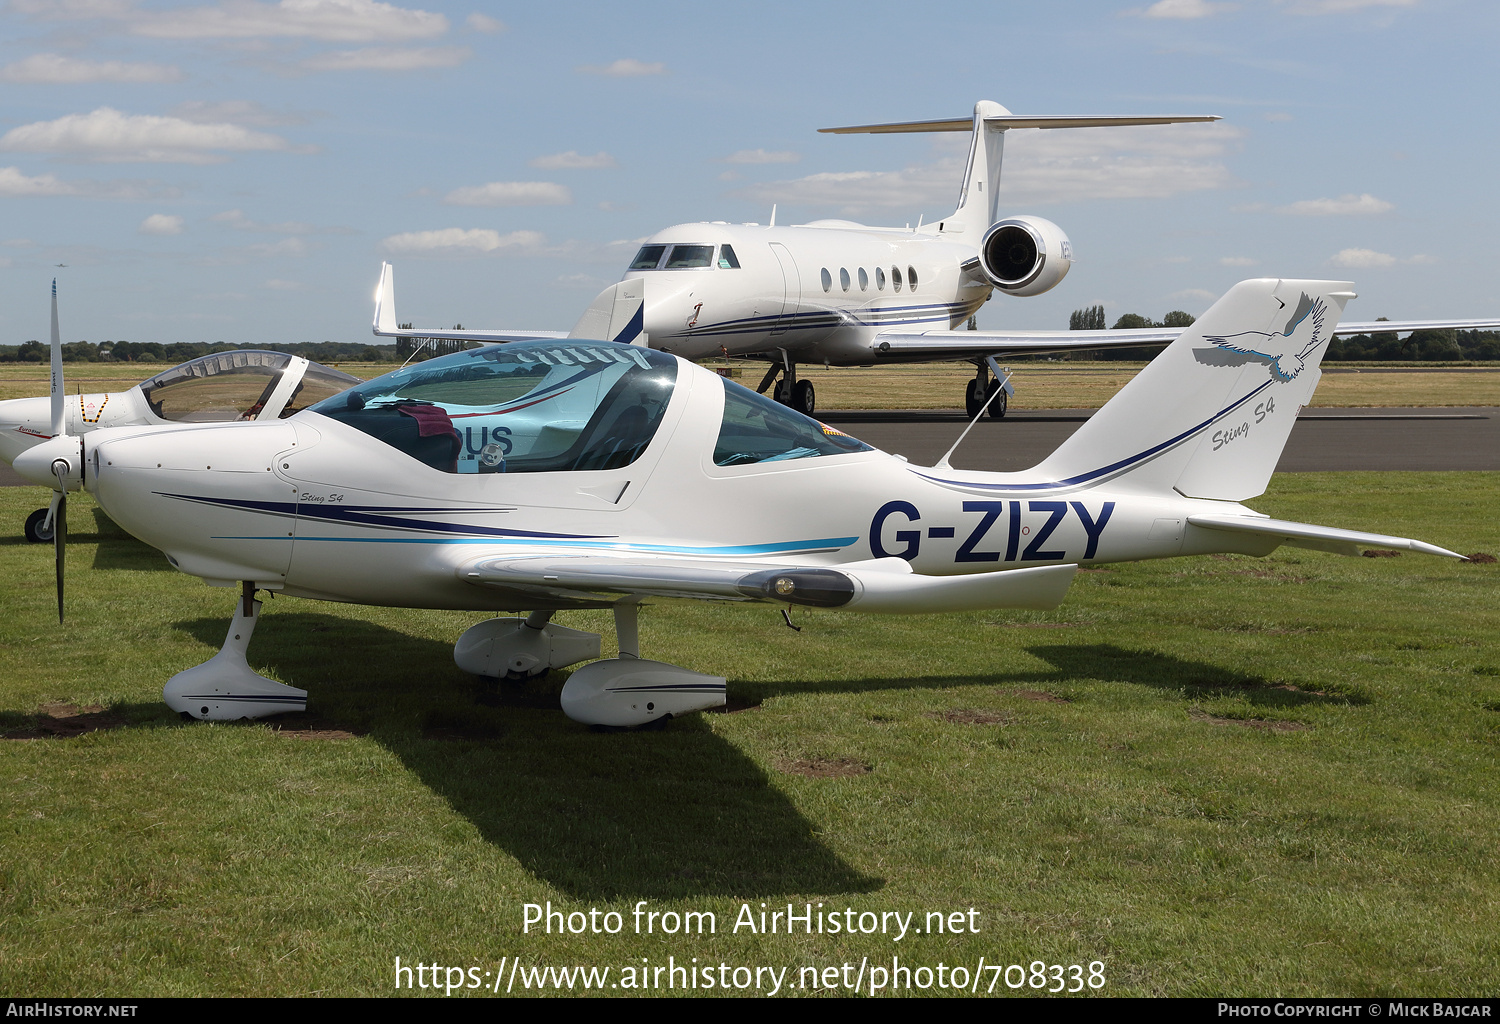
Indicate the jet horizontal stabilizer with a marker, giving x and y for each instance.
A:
(1008, 121)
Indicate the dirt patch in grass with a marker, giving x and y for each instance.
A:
(822, 767)
(1265, 724)
(310, 727)
(971, 716)
(1481, 557)
(1049, 698)
(62, 721)
(1380, 553)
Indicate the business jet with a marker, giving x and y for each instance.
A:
(550, 475)
(243, 384)
(838, 293)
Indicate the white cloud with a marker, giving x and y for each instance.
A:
(343, 21)
(1422, 259)
(18, 243)
(15, 185)
(384, 58)
(510, 193)
(1340, 6)
(1277, 116)
(1362, 258)
(626, 67)
(1237, 261)
(1344, 206)
(1040, 167)
(460, 242)
(108, 135)
(161, 224)
(1183, 9)
(763, 156)
(572, 160)
(484, 23)
(53, 69)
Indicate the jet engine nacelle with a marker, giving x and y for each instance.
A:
(1025, 255)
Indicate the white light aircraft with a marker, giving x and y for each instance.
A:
(838, 293)
(243, 384)
(551, 475)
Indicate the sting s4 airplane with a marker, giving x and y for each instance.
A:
(838, 293)
(551, 475)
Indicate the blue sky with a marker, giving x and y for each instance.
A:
(237, 171)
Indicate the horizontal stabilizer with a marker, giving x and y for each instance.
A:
(385, 320)
(897, 344)
(1319, 538)
(1007, 121)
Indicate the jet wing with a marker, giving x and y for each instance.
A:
(898, 345)
(878, 585)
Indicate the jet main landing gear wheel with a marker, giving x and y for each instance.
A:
(804, 399)
(974, 398)
(35, 532)
(997, 407)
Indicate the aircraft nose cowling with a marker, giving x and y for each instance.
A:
(208, 497)
(37, 463)
(24, 423)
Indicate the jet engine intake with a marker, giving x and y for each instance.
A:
(1025, 255)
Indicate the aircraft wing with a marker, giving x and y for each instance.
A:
(912, 345)
(878, 585)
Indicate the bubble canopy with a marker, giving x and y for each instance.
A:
(236, 385)
(523, 407)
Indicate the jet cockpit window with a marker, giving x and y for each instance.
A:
(690, 257)
(214, 388)
(648, 257)
(756, 429)
(727, 259)
(526, 407)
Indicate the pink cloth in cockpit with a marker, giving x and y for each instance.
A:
(431, 420)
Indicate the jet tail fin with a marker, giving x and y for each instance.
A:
(1210, 415)
(385, 301)
(616, 314)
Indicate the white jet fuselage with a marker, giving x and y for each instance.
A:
(821, 291)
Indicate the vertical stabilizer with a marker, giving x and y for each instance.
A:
(616, 314)
(977, 197)
(1210, 415)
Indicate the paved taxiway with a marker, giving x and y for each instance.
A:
(1324, 439)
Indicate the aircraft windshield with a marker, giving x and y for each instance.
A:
(525, 407)
(756, 429)
(235, 386)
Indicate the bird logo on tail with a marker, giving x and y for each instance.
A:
(1281, 351)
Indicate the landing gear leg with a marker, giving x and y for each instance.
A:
(629, 691)
(978, 390)
(790, 391)
(223, 688)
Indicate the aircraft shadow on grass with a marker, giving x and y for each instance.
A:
(675, 812)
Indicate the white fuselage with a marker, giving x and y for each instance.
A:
(820, 291)
(315, 508)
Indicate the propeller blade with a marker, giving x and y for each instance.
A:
(60, 549)
(58, 394)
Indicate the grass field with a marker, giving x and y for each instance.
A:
(1215, 776)
(1071, 385)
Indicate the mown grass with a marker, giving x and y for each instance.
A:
(1217, 775)
(1062, 385)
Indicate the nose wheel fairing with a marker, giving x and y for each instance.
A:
(224, 688)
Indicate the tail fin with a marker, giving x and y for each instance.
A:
(1210, 415)
(616, 314)
(978, 196)
(385, 301)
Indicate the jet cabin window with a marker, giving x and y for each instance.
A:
(756, 429)
(526, 407)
